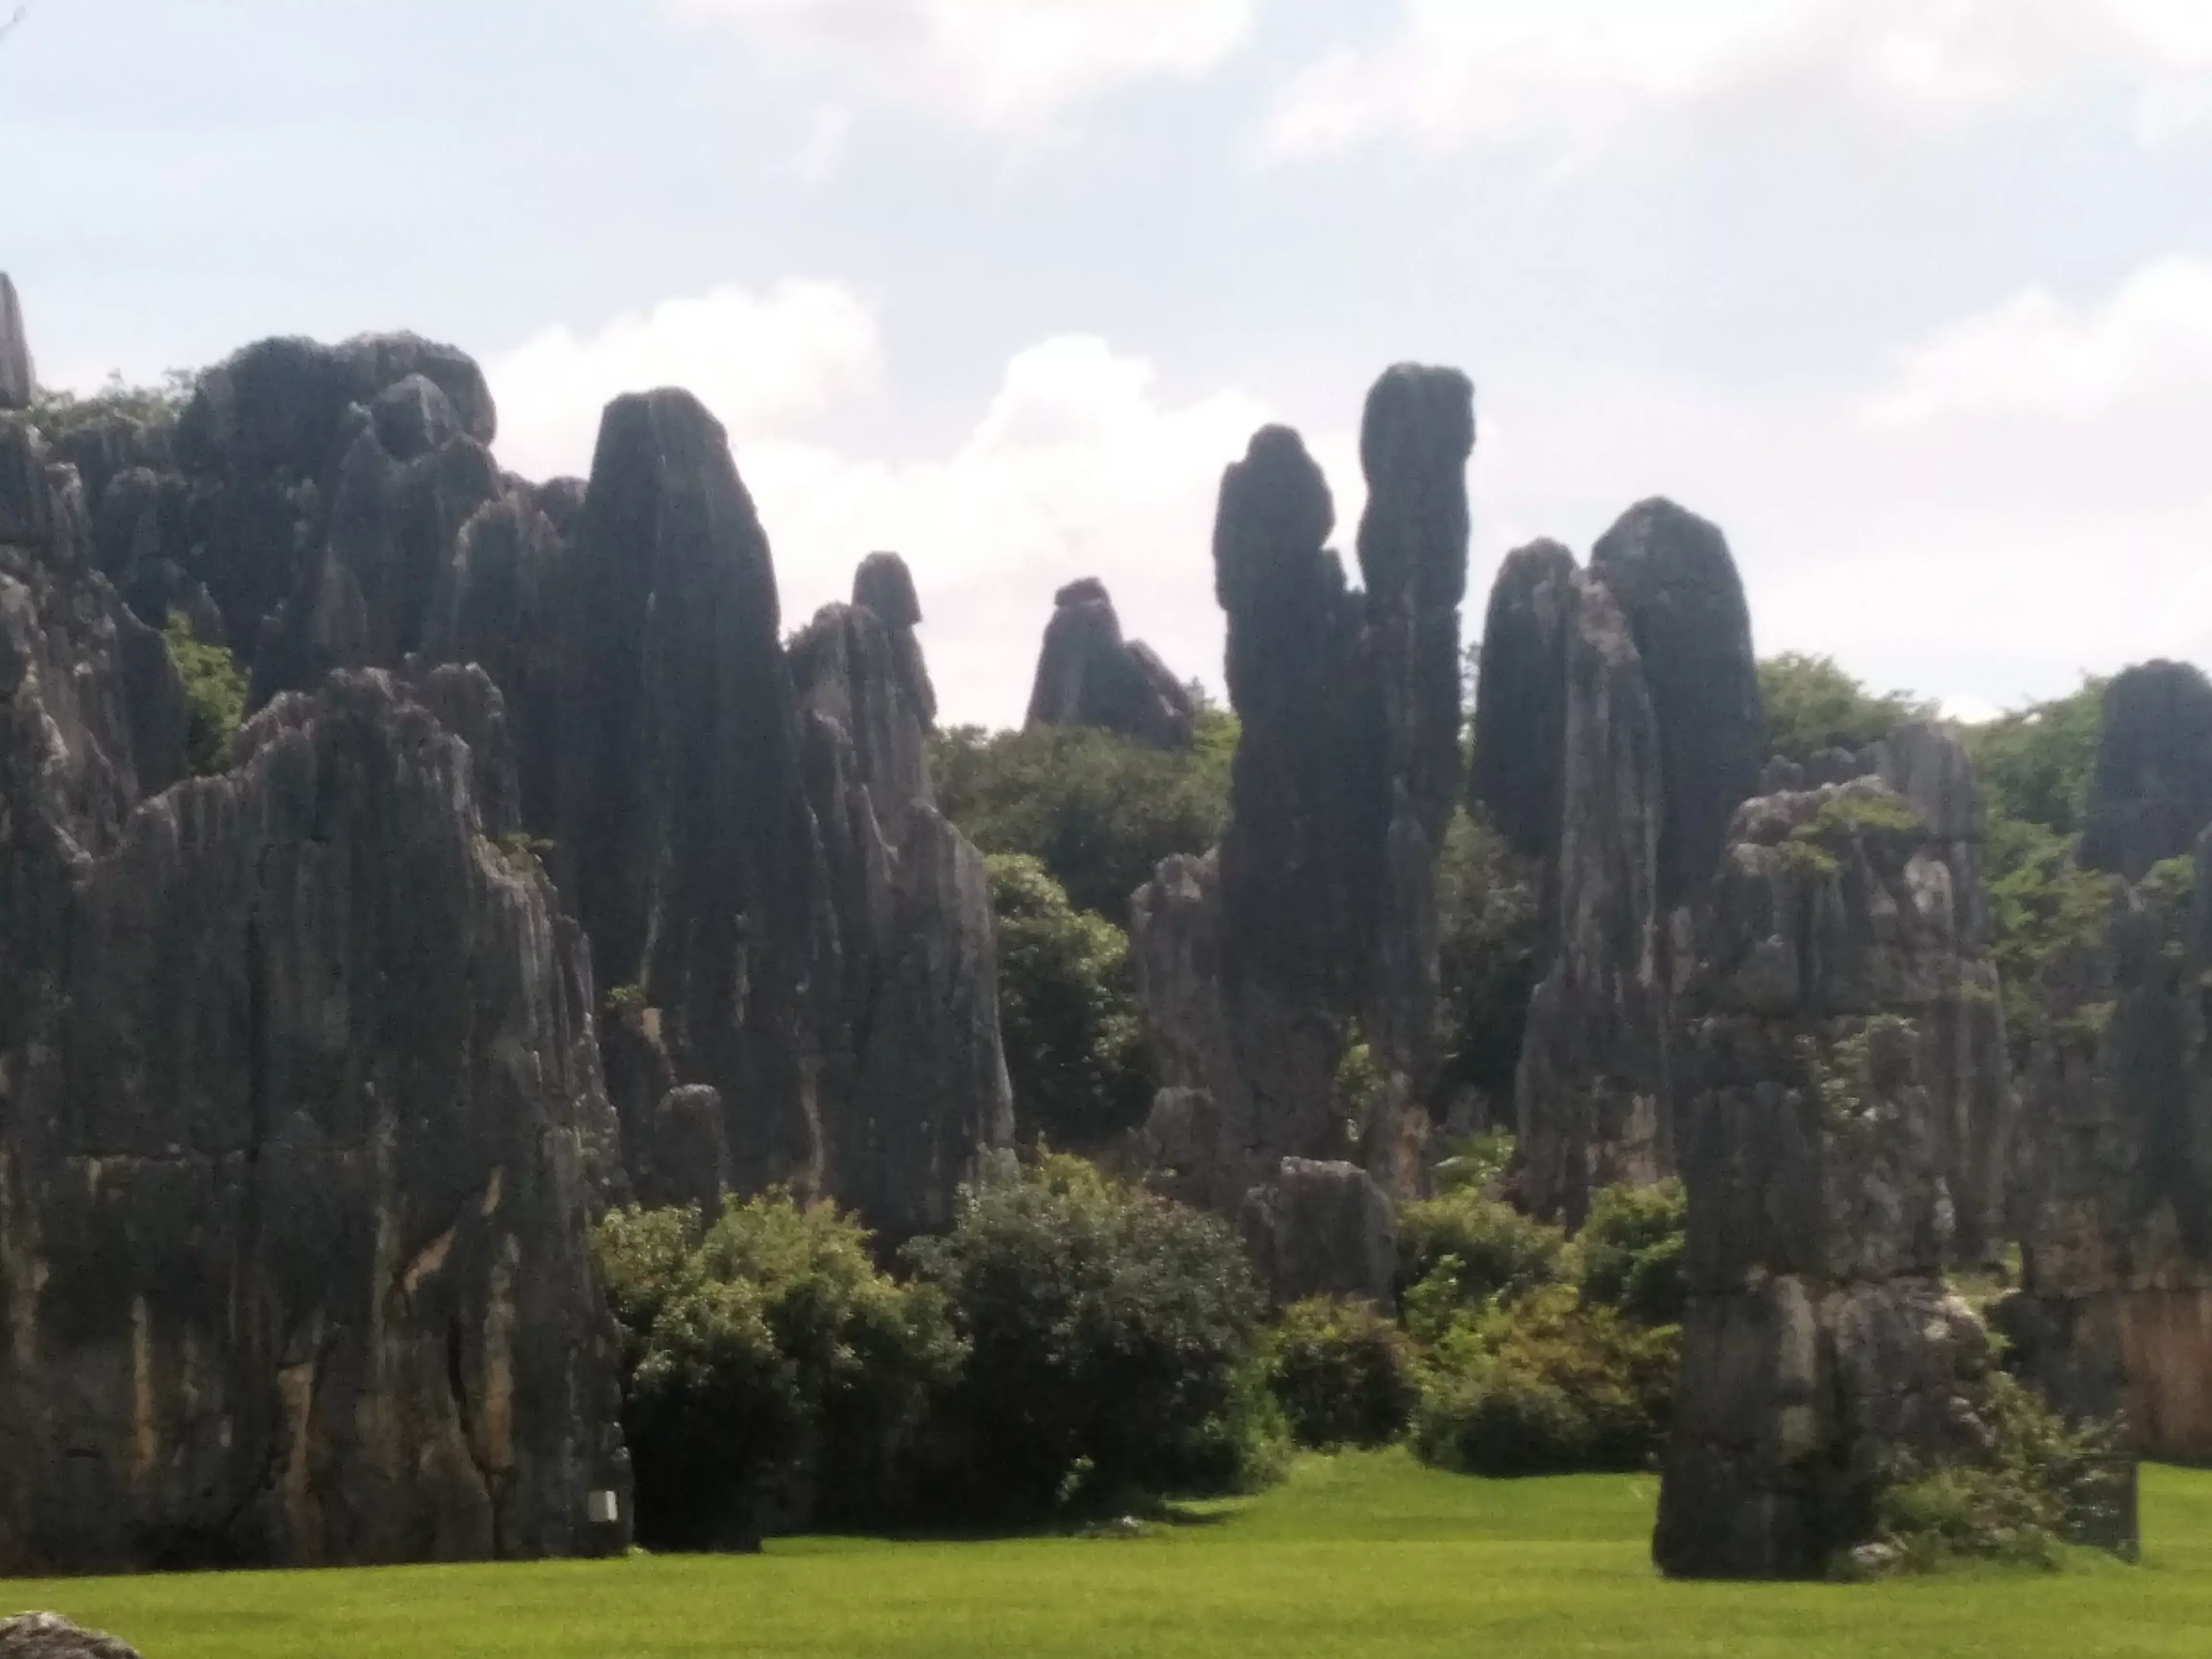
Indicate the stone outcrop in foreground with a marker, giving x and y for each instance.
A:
(1311, 928)
(1088, 675)
(304, 1131)
(50, 1636)
(1617, 727)
(1820, 1346)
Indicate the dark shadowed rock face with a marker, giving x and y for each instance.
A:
(15, 380)
(2115, 1188)
(1312, 926)
(1819, 1343)
(1519, 698)
(1321, 1229)
(304, 1131)
(2151, 793)
(1088, 675)
(50, 1636)
(1678, 586)
(1591, 1090)
(916, 1085)
(684, 838)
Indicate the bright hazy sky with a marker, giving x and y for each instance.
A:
(1913, 297)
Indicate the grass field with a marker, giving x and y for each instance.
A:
(1359, 1555)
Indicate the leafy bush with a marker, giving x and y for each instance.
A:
(1546, 1385)
(1344, 1375)
(214, 695)
(1112, 1346)
(1474, 1163)
(1632, 1247)
(1477, 1247)
(1811, 704)
(1098, 809)
(56, 413)
(2040, 1486)
(1068, 1011)
(772, 1376)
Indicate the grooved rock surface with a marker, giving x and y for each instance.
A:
(50, 1636)
(303, 1133)
(1819, 1343)
(1321, 1229)
(2115, 1203)
(1678, 586)
(1312, 926)
(1591, 1090)
(2151, 792)
(1520, 697)
(1088, 675)
(16, 383)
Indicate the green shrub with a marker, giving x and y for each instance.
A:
(1547, 1385)
(1631, 1247)
(1098, 809)
(1112, 1346)
(1493, 1248)
(1811, 704)
(1474, 1163)
(772, 1377)
(214, 695)
(2040, 1486)
(1068, 1011)
(1490, 947)
(1344, 1375)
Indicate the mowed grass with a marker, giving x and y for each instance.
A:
(1366, 1554)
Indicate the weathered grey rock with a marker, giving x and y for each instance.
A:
(1521, 700)
(2151, 793)
(1678, 586)
(16, 383)
(1088, 675)
(1591, 1091)
(2115, 1207)
(50, 1636)
(1312, 926)
(916, 1091)
(1819, 1347)
(304, 1132)
(1321, 1229)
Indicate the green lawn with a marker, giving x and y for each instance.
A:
(1367, 1554)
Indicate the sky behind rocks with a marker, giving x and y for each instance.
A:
(1912, 297)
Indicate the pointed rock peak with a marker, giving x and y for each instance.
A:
(885, 586)
(15, 382)
(2151, 793)
(1274, 505)
(1415, 440)
(1520, 697)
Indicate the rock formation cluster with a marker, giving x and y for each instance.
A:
(1307, 939)
(542, 875)
(1617, 727)
(1812, 1063)
(1088, 675)
(2114, 1206)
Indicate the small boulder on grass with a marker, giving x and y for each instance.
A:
(50, 1636)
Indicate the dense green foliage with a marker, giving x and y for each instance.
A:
(214, 695)
(1483, 1246)
(1811, 704)
(1112, 1340)
(1363, 1555)
(2040, 1486)
(1343, 1374)
(1098, 809)
(56, 413)
(1632, 1247)
(772, 1375)
(1067, 1011)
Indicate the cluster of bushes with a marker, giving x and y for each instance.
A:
(1072, 1344)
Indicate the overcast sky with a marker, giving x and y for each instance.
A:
(1912, 297)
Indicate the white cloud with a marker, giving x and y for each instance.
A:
(998, 64)
(762, 362)
(1457, 71)
(1079, 467)
(2035, 354)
